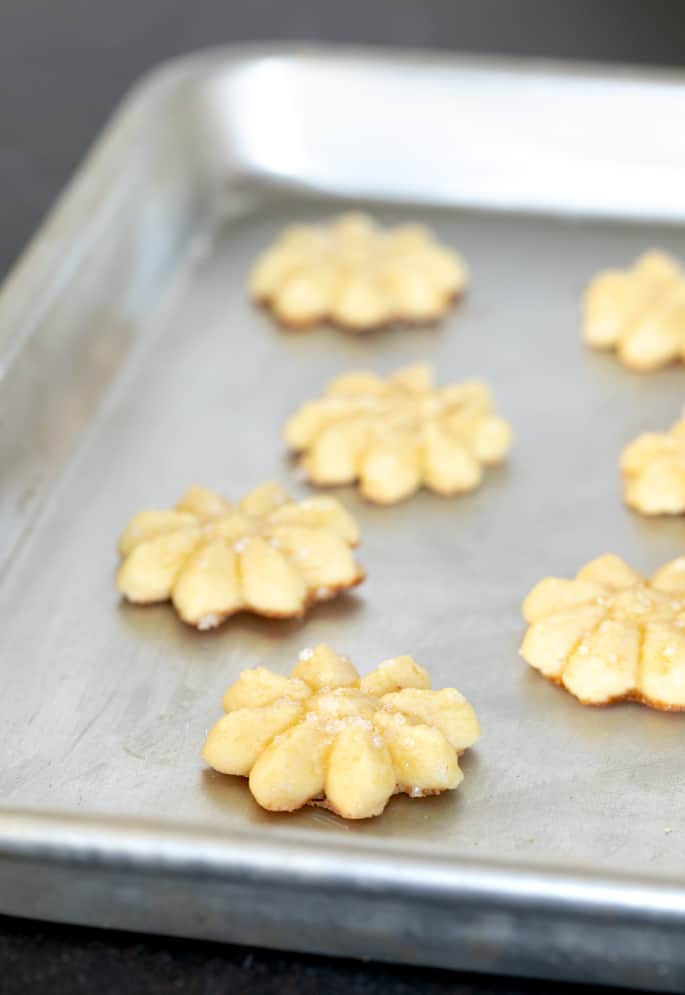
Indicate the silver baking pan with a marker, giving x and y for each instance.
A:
(133, 364)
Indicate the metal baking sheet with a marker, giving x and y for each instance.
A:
(133, 364)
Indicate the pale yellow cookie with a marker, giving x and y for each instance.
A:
(326, 736)
(357, 275)
(653, 468)
(610, 634)
(640, 312)
(397, 434)
(268, 555)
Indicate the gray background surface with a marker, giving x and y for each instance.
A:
(64, 64)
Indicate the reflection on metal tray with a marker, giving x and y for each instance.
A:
(134, 365)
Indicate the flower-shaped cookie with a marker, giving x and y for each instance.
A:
(268, 555)
(640, 312)
(397, 434)
(357, 275)
(653, 468)
(325, 736)
(610, 634)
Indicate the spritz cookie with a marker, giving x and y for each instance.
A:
(326, 736)
(639, 312)
(397, 434)
(357, 275)
(653, 469)
(610, 634)
(267, 554)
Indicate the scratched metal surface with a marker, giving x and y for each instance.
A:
(104, 707)
(109, 704)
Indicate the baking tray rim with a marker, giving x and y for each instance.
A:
(189, 850)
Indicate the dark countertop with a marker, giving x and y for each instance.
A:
(64, 65)
(39, 958)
